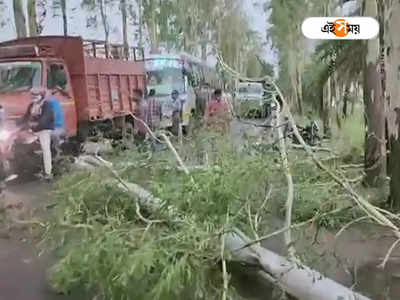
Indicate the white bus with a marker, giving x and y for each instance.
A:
(190, 76)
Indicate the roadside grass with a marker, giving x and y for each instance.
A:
(104, 245)
(349, 140)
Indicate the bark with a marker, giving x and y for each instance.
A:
(64, 15)
(204, 51)
(299, 89)
(345, 100)
(125, 28)
(105, 26)
(325, 101)
(375, 108)
(153, 33)
(33, 26)
(392, 63)
(294, 278)
(19, 19)
(139, 2)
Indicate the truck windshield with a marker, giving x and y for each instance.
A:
(19, 76)
(164, 76)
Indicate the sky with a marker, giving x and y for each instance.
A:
(78, 24)
(258, 21)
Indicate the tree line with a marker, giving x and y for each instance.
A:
(196, 27)
(324, 76)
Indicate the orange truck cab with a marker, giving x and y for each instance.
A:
(94, 82)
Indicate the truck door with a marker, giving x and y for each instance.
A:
(58, 82)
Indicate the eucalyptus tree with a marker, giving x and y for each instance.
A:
(286, 36)
(64, 16)
(19, 18)
(124, 13)
(392, 63)
(32, 18)
(375, 105)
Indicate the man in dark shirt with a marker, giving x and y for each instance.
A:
(40, 118)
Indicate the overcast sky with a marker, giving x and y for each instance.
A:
(78, 24)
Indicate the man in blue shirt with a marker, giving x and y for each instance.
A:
(59, 124)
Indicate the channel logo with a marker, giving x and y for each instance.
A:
(352, 28)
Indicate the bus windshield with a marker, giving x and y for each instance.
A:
(164, 76)
(20, 76)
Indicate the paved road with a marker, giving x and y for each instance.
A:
(22, 272)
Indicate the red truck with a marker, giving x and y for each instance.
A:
(95, 83)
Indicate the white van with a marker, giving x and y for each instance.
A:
(249, 99)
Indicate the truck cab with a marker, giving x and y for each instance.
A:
(94, 85)
(25, 70)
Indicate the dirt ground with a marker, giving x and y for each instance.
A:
(22, 271)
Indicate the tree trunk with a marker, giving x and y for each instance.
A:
(204, 50)
(299, 89)
(19, 19)
(375, 108)
(392, 42)
(345, 100)
(293, 277)
(105, 26)
(64, 15)
(153, 33)
(33, 26)
(140, 23)
(125, 28)
(325, 101)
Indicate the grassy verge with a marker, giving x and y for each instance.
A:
(104, 245)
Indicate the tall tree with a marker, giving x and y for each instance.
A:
(140, 7)
(150, 19)
(106, 26)
(19, 18)
(285, 33)
(32, 19)
(392, 65)
(375, 106)
(64, 16)
(124, 11)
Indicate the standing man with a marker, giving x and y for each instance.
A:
(40, 119)
(175, 109)
(218, 114)
(59, 124)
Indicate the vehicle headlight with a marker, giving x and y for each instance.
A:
(4, 135)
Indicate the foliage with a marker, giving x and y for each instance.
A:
(120, 255)
(106, 247)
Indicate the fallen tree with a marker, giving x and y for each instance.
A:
(292, 277)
